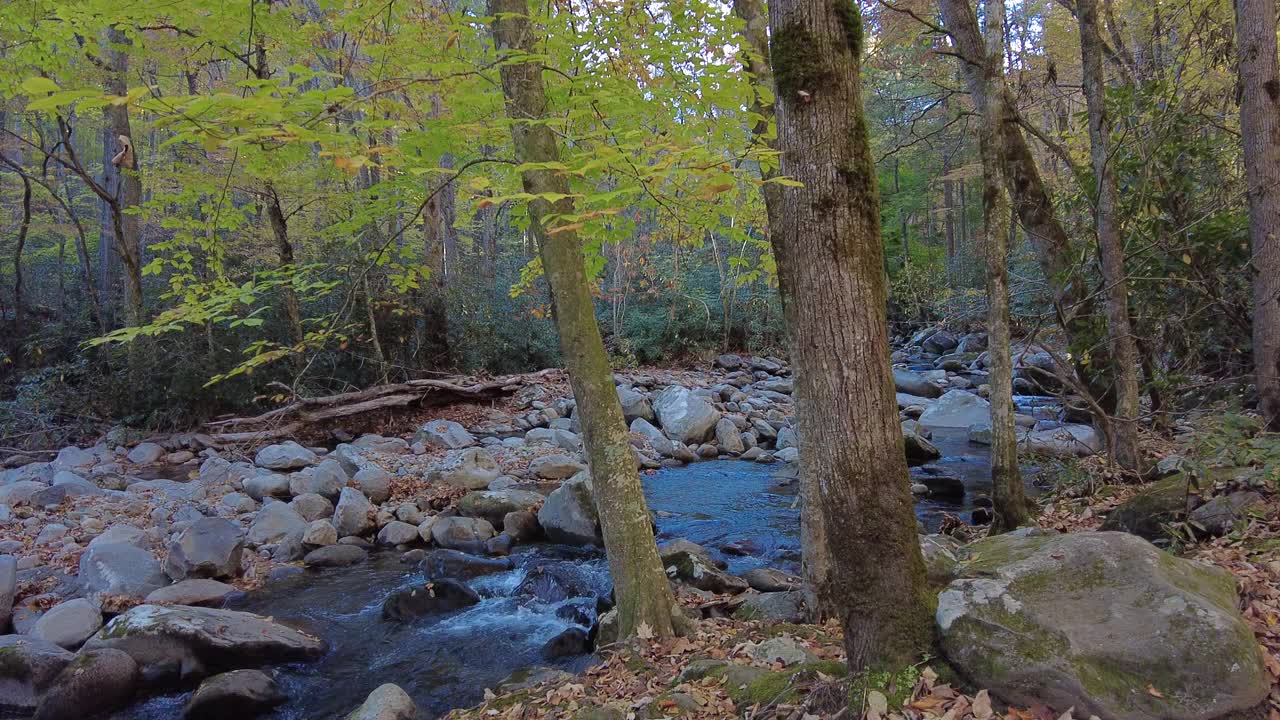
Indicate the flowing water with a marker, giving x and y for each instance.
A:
(746, 512)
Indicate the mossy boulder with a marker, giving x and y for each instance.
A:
(1103, 622)
(1147, 513)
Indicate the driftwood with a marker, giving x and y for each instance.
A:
(288, 420)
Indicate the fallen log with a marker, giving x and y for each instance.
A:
(288, 420)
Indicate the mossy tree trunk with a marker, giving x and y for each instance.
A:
(827, 244)
(1260, 129)
(1124, 351)
(755, 18)
(644, 598)
(1007, 494)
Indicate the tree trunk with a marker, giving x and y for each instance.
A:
(284, 251)
(1260, 128)
(1007, 494)
(645, 600)
(813, 540)
(1124, 353)
(828, 249)
(125, 221)
(23, 228)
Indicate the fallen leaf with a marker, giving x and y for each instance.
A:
(982, 706)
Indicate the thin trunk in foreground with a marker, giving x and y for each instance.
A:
(1260, 128)
(827, 245)
(1007, 494)
(813, 538)
(1124, 351)
(644, 596)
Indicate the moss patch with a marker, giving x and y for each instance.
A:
(797, 64)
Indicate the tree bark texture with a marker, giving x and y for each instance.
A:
(125, 221)
(827, 244)
(644, 598)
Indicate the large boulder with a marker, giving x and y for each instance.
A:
(68, 624)
(275, 522)
(956, 409)
(692, 565)
(661, 443)
(209, 548)
(239, 693)
(472, 468)
(287, 455)
(728, 437)
(386, 702)
(493, 505)
(684, 417)
(905, 381)
(1103, 622)
(556, 467)
(325, 479)
(353, 514)
(785, 607)
(146, 453)
(29, 667)
(437, 596)
(374, 482)
(1064, 441)
(103, 679)
(460, 533)
(445, 435)
(635, 404)
(569, 514)
(1148, 512)
(267, 485)
(117, 568)
(1220, 514)
(191, 642)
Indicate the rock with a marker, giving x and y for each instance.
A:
(1148, 512)
(374, 482)
(956, 409)
(1103, 622)
(336, 555)
(103, 680)
(8, 589)
(239, 693)
(326, 479)
(68, 624)
(556, 467)
(30, 667)
(569, 642)
(352, 458)
(768, 580)
(652, 435)
(694, 568)
(1220, 514)
(191, 642)
(905, 381)
(495, 505)
(918, 449)
(353, 514)
(238, 503)
(445, 435)
(74, 484)
(380, 444)
(1171, 465)
(940, 560)
(209, 548)
(274, 522)
(319, 533)
(980, 433)
(20, 493)
(312, 506)
(972, 343)
(787, 607)
(264, 486)
(197, 591)
(473, 469)
(635, 404)
(290, 547)
(684, 417)
(456, 565)
(120, 569)
(940, 342)
(287, 455)
(554, 584)
(460, 533)
(728, 362)
(782, 649)
(73, 458)
(1066, 441)
(939, 483)
(387, 702)
(569, 513)
(728, 437)
(397, 533)
(436, 596)
(146, 453)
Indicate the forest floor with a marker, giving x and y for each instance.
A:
(655, 678)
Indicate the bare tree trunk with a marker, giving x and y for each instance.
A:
(435, 311)
(828, 249)
(1124, 352)
(815, 561)
(284, 253)
(23, 227)
(645, 601)
(1007, 494)
(1260, 128)
(125, 221)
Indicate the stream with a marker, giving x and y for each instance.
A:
(745, 512)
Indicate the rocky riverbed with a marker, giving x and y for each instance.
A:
(126, 567)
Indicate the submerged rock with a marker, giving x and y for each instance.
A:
(453, 564)
(1103, 622)
(437, 596)
(239, 693)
